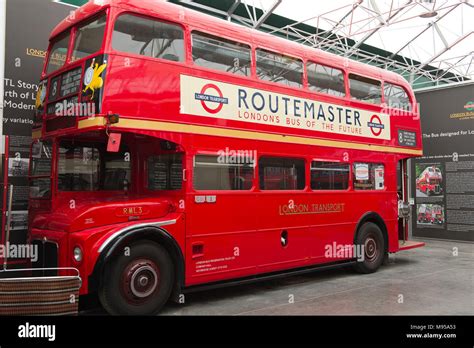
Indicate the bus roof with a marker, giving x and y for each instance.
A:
(203, 21)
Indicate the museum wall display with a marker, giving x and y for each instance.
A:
(443, 179)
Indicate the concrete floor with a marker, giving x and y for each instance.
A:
(429, 281)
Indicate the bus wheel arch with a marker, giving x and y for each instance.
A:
(153, 235)
(371, 223)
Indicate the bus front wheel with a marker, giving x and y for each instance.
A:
(138, 281)
(370, 243)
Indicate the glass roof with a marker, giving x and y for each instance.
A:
(436, 33)
(429, 42)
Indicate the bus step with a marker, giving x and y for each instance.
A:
(409, 244)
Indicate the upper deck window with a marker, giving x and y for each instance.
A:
(89, 37)
(365, 89)
(58, 53)
(148, 37)
(396, 97)
(221, 54)
(325, 79)
(279, 68)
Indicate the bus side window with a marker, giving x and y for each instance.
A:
(220, 54)
(278, 68)
(117, 174)
(329, 176)
(396, 97)
(165, 172)
(148, 37)
(365, 89)
(281, 173)
(210, 173)
(325, 79)
(369, 176)
(41, 166)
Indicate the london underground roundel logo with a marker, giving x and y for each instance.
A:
(212, 103)
(375, 124)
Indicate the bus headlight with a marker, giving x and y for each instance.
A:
(77, 254)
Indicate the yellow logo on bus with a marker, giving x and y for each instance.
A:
(92, 78)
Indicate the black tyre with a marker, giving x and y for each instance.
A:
(139, 283)
(371, 238)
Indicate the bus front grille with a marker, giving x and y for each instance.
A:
(47, 258)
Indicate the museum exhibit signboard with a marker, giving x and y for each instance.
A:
(443, 179)
(25, 50)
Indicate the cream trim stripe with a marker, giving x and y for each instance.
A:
(241, 134)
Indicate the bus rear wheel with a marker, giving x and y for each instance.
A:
(370, 240)
(137, 282)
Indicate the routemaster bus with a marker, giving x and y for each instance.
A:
(429, 181)
(174, 152)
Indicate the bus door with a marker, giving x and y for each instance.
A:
(403, 200)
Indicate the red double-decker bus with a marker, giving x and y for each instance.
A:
(174, 151)
(429, 181)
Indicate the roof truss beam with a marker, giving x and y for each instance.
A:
(377, 28)
(444, 50)
(267, 14)
(432, 70)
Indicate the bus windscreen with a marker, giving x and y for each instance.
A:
(88, 39)
(58, 53)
